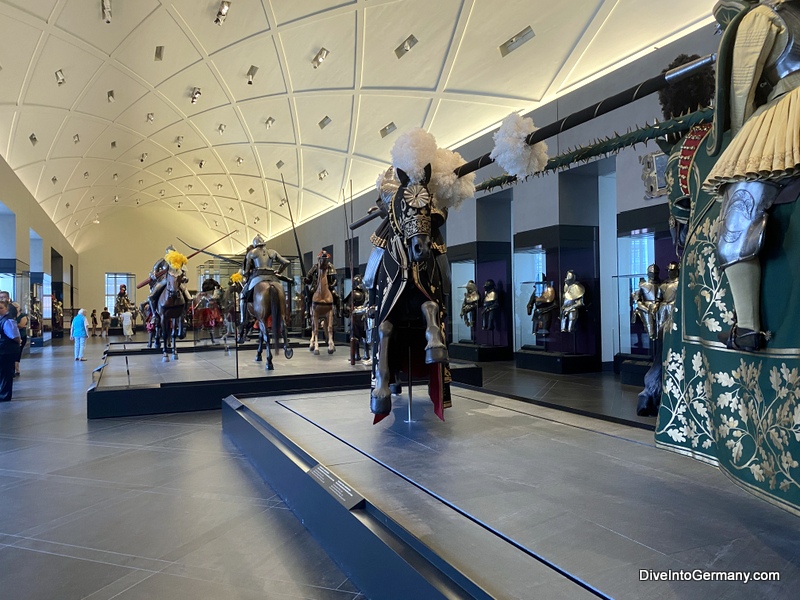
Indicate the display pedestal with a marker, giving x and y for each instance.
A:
(556, 362)
(479, 352)
(632, 372)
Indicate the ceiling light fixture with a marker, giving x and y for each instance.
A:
(116, 198)
(33, 139)
(179, 140)
(388, 129)
(180, 204)
(219, 186)
(143, 157)
(204, 205)
(319, 57)
(86, 174)
(280, 164)
(113, 145)
(230, 209)
(76, 138)
(151, 117)
(251, 73)
(407, 45)
(110, 96)
(189, 187)
(323, 174)
(137, 202)
(257, 219)
(54, 180)
(106, 4)
(141, 181)
(216, 224)
(115, 176)
(96, 220)
(326, 120)
(169, 170)
(91, 199)
(515, 42)
(239, 161)
(224, 7)
(221, 128)
(252, 191)
(195, 95)
(162, 192)
(159, 53)
(202, 164)
(66, 205)
(269, 122)
(60, 80)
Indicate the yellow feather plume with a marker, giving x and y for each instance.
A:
(176, 260)
(237, 278)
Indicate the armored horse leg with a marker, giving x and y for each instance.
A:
(436, 350)
(329, 332)
(381, 398)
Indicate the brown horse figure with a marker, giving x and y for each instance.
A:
(269, 301)
(169, 311)
(322, 305)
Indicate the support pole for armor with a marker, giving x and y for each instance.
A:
(349, 237)
(294, 230)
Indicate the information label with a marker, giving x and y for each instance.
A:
(337, 488)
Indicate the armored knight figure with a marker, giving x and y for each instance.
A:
(469, 308)
(647, 300)
(259, 265)
(542, 308)
(491, 305)
(158, 281)
(572, 302)
(669, 292)
(311, 281)
(760, 95)
(122, 302)
(358, 318)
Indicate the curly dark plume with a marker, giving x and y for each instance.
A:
(689, 94)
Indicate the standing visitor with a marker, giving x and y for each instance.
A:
(79, 332)
(106, 317)
(94, 322)
(22, 325)
(9, 348)
(127, 325)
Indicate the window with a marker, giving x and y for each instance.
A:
(113, 281)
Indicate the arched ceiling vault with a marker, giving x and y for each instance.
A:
(98, 117)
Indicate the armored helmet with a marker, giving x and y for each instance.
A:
(169, 249)
(259, 241)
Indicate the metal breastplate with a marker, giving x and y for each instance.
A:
(573, 293)
(359, 297)
(669, 289)
(471, 298)
(490, 297)
(649, 292)
(789, 60)
(260, 258)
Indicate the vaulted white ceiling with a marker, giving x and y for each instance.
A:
(453, 82)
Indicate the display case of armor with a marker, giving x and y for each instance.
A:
(463, 316)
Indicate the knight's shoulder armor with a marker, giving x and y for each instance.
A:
(789, 60)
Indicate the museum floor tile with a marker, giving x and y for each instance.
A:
(152, 507)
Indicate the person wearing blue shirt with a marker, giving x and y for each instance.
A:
(9, 350)
(78, 332)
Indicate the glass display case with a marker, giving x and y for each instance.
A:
(461, 273)
(530, 267)
(632, 337)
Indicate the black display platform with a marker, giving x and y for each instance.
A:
(507, 500)
(479, 352)
(632, 372)
(556, 362)
(132, 383)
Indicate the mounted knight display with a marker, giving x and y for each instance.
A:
(408, 272)
(325, 301)
(169, 299)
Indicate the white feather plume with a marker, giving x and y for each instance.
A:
(512, 153)
(450, 191)
(412, 151)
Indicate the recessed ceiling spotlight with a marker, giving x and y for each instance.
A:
(239, 161)
(110, 96)
(257, 219)
(141, 181)
(113, 145)
(195, 95)
(269, 122)
(159, 56)
(515, 42)
(66, 205)
(106, 10)
(115, 177)
(319, 57)
(216, 224)
(86, 174)
(179, 140)
(162, 192)
(204, 205)
(219, 186)
(202, 164)
(224, 7)
(60, 79)
(116, 198)
(280, 164)
(230, 209)
(180, 204)
(221, 128)
(388, 129)
(151, 117)
(96, 220)
(189, 187)
(76, 138)
(251, 73)
(252, 191)
(169, 170)
(54, 180)
(326, 120)
(143, 157)
(323, 174)
(33, 139)
(407, 45)
(91, 199)
(137, 201)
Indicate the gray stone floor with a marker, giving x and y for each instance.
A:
(156, 507)
(598, 499)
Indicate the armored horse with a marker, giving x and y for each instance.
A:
(169, 312)
(409, 275)
(322, 303)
